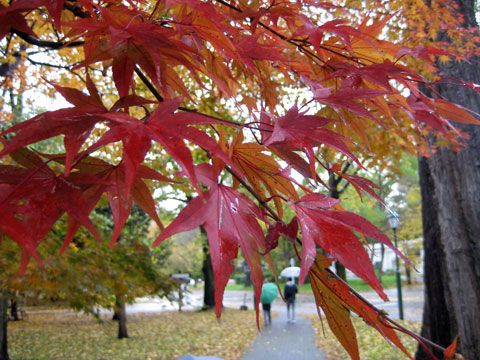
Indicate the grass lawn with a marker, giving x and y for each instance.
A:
(59, 334)
(388, 282)
(371, 344)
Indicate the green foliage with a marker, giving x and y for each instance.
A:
(388, 282)
(186, 255)
(402, 193)
(90, 274)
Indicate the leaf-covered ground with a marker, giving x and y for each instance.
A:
(371, 344)
(56, 334)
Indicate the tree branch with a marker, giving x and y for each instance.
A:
(159, 97)
(148, 84)
(76, 10)
(299, 46)
(252, 191)
(43, 43)
(7, 69)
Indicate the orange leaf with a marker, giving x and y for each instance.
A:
(454, 112)
(261, 169)
(451, 350)
(339, 292)
(338, 319)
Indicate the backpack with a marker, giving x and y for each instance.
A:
(289, 292)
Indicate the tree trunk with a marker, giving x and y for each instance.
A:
(452, 246)
(436, 318)
(14, 310)
(408, 274)
(207, 270)
(120, 310)
(450, 185)
(3, 326)
(382, 260)
(248, 279)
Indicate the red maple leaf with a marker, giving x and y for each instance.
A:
(127, 39)
(75, 123)
(333, 230)
(34, 200)
(12, 16)
(305, 132)
(231, 220)
(167, 128)
(96, 177)
(379, 74)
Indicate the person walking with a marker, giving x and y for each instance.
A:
(290, 292)
(269, 293)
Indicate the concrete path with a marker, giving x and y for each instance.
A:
(284, 341)
(305, 304)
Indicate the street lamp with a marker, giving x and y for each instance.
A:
(393, 219)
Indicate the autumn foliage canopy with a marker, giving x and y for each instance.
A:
(242, 98)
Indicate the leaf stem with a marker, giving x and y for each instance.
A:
(262, 201)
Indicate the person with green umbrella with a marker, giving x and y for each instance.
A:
(269, 293)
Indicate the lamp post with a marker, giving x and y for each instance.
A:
(393, 219)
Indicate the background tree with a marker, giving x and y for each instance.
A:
(131, 269)
(185, 254)
(3, 325)
(90, 275)
(450, 197)
(408, 204)
(398, 185)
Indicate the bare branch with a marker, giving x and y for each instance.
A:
(43, 43)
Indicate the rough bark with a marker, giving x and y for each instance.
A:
(436, 320)
(452, 247)
(3, 326)
(451, 200)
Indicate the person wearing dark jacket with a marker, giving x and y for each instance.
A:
(290, 292)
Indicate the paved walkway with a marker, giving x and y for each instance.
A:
(284, 341)
(305, 304)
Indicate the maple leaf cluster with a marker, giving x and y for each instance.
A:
(157, 57)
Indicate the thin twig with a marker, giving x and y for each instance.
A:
(159, 97)
(148, 84)
(43, 43)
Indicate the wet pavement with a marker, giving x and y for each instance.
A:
(283, 340)
(412, 302)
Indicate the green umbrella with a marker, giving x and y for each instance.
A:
(269, 293)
